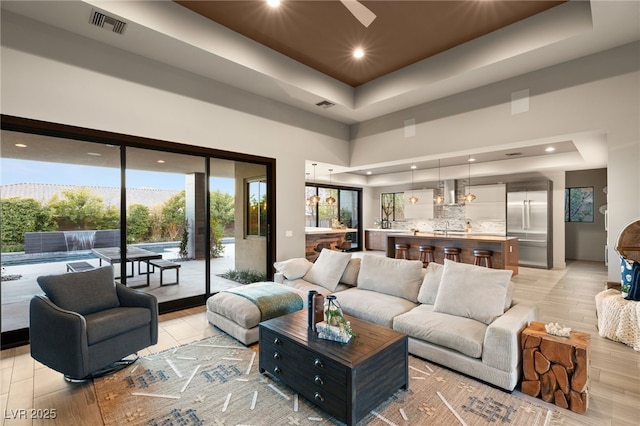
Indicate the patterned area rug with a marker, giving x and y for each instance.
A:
(216, 382)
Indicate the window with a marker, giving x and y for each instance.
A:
(391, 207)
(257, 208)
(578, 204)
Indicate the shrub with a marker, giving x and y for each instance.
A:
(244, 276)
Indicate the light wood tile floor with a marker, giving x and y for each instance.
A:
(564, 296)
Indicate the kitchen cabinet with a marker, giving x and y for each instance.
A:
(423, 209)
(375, 240)
(490, 203)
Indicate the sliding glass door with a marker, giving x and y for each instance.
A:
(60, 199)
(336, 207)
(190, 215)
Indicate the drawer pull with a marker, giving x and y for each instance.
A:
(318, 380)
(277, 356)
(318, 396)
(318, 363)
(277, 341)
(277, 370)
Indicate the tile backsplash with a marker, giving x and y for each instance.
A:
(452, 217)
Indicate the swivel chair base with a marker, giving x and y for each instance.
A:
(105, 371)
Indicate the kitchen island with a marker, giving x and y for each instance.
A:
(505, 249)
(332, 238)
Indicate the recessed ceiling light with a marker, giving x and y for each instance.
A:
(471, 159)
(21, 145)
(358, 53)
(413, 167)
(550, 149)
(95, 154)
(369, 172)
(161, 161)
(273, 3)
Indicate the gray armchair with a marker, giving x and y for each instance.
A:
(86, 322)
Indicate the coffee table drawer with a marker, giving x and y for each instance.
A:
(312, 363)
(306, 387)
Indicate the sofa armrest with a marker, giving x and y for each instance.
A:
(134, 298)
(58, 338)
(502, 348)
(278, 277)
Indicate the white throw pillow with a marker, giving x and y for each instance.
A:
(430, 284)
(350, 275)
(293, 269)
(395, 277)
(472, 291)
(328, 268)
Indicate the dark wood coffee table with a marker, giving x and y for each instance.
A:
(346, 380)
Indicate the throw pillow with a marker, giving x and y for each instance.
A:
(626, 275)
(328, 269)
(293, 269)
(430, 284)
(395, 277)
(350, 275)
(82, 292)
(472, 291)
(634, 290)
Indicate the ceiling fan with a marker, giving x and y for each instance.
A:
(360, 11)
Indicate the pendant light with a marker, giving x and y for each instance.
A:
(439, 198)
(330, 200)
(307, 201)
(413, 199)
(469, 197)
(315, 199)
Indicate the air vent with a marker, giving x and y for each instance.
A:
(513, 154)
(107, 22)
(325, 104)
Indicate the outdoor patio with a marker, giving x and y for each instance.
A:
(16, 294)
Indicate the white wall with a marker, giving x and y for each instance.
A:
(596, 96)
(51, 75)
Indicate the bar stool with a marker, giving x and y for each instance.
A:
(482, 258)
(426, 255)
(452, 253)
(402, 251)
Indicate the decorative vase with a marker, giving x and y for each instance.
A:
(332, 311)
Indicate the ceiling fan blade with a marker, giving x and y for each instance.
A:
(360, 11)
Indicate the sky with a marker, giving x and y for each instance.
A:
(24, 171)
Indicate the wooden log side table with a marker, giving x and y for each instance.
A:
(556, 369)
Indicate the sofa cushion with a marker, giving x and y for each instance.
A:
(306, 286)
(472, 291)
(431, 283)
(395, 277)
(464, 335)
(328, 269)
(82, 292)
(350, 275)
(293, 269)
(372, 306)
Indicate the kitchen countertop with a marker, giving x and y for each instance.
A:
(454, 235)
(312, 231)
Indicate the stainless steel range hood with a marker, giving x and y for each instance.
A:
(449, 191)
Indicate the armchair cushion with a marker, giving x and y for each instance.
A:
(112, 322)
(82, 292)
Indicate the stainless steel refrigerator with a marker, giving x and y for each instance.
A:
(529, 207)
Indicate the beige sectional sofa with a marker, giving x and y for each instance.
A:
(457, 315)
